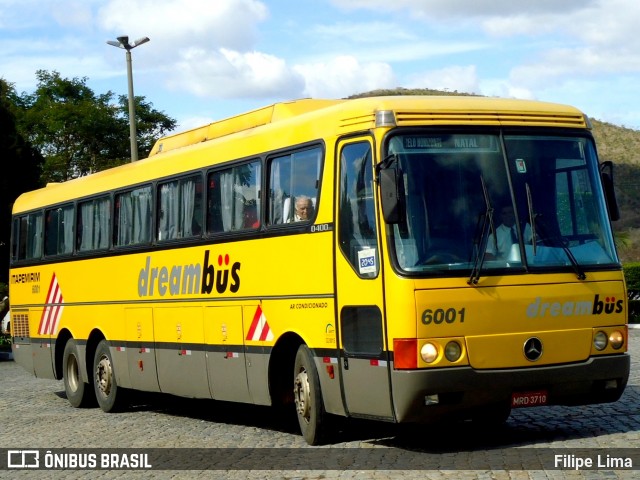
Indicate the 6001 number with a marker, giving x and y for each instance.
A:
(440, 315)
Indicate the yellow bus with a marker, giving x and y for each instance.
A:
(405, 259)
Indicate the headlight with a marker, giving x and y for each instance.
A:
(600, 340)
(452, 351)
(429, 352)
(616, 339)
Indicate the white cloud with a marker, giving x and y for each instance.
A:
(343, 76)
(565, 63)
(493, 87)
(362, 32)
(74, 14)
(443, 9)
(178, 24)
(454, 78)
(227, 73)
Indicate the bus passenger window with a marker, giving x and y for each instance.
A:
(28, 234)
(233, 198)
(133, 217)
(94, 219)
(58, 233)
(294, 179)
(180, 209)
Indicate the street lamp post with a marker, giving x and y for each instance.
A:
(123, 42)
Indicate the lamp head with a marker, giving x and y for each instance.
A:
(140, 41)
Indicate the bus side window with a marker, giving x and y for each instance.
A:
(233, 198)
(179, 209)
(58, 234)
(94, 220)
(133, 217)
(27, 237)
(293, 176)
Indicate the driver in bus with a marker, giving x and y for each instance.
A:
(506, 235)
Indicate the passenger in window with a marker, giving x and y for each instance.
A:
(304, 209)
(251, 216)
(506, 235)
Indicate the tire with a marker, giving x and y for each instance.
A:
(109, 396)
(308, 398)
(79, 393)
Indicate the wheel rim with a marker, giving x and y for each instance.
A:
(72, 373)
(104, 376)
(302, 395)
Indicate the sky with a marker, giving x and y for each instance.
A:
(210, 59)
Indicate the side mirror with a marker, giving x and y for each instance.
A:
(606, 173)
(392, 194)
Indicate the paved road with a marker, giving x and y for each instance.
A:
(34, 414)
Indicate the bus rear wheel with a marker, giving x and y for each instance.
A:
(108, 394)
(308, 398)
(79, 393)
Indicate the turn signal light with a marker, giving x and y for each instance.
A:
(405, 353)
(616, 340)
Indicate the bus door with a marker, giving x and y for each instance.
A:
(181, 360)
(226, 359)
(141, 354)
(362, 351)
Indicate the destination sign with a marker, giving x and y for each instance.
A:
(449, 142)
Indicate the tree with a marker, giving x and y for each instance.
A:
(79, 132)
(14, 151)
(150, 124)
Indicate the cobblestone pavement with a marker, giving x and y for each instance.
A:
(36, 415)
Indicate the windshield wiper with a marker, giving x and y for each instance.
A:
(482, 236)
(536, 220)
(560, 241)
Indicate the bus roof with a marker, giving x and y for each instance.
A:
(270, 127)
(239, 123)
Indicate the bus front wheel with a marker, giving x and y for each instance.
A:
(108, 394)
(308, 398)
(78, 392)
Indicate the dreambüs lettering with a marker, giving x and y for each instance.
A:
(186, 279)
(567, 309)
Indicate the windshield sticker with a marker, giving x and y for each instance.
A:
(521, 165)
(367, 261)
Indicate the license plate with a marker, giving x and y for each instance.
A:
(529, 399)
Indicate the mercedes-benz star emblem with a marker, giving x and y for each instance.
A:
(533, 349)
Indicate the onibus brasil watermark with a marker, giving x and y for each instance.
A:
(70, 460)
(331, 458)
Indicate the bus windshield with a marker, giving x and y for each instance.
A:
(494, 201)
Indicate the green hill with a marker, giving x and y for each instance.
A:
(615, 143)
